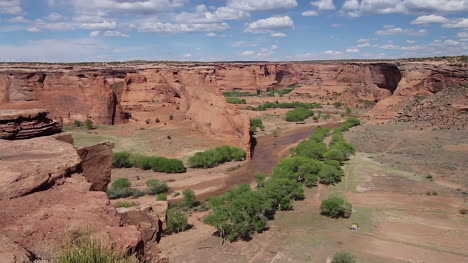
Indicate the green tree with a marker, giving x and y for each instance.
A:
(335, 206)
(310, 149)
(189, 197)
(348, 110)
(296, 168)
(260, 179)
(338, 104)
(343, 257)
(330, 174)
(298, 114)
(88, 124)
(256, 123)
(176, 221)
(282, 191)
(335, 154)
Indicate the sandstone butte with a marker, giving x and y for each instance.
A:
(117, 94)
(51, 191)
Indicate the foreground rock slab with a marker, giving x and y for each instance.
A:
(25, 124)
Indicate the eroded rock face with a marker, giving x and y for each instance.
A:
(45, 198)
(96, 162)
(12, 252)
(67, 95)
(24, 124)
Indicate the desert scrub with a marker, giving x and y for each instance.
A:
(156, 163)
(286, 105)
(256, 123)
(121, 160)
(156, 187)
(280, 92)
(238, 94)
(89, 124)
(161, 197)
(335, 206)
(298, 114)
(216, 156)
(189, 198)
(343, 257)
(87, 249)
(234, 100)
(176, 221)
(124, 204)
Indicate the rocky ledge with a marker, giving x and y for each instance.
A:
(25, 124)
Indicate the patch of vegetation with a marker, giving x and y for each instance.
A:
(343, 257)
(177, 221)
(89, 250)
(216, 156)
(77, 123)
(338, 104)
(238, 94)
(280, 92)
(161, 197)
(235, 100)
(298, 114)
(124, 204)
(156, 163)
(256, 123)
(120, 188)
(156, 187)
(367, 103)
(189, 198)
(286, 105)
(335, 206)
(89, 124)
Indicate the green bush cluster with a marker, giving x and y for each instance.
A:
(287, 105)
(235, 100)
(299, 114)
(176, 221)
(238, 94)
(216, 156)
(335, 206)
(338, 104)
(156, 163)
(120, 188)
(256, 123)
(156, 187)
(280, 92)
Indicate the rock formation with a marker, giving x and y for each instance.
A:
(45, 197)
(24, 124)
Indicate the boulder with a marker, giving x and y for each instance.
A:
(96, 162)
(24, 124)
(10, 252)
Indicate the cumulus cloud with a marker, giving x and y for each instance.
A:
(310, 13)
(112, 33)
(40, 25)
(278, 34)
(372, 7)
(324, 4)
(269, 25)
(429, 19)
(333, 52)
(457, 23)
(352, 50)
(95, 33)
(55, 17)
(126, 6)
(406, 48)
(202, 15)
(261, 5)
(155, 26)
(402, 31)
(102, 25)
(247, 53)
(12, 7)
(462, 34)
(19, 19)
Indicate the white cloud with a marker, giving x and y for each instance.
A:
(187, 56)
(364, 44)
(278, 34)
(243, 44)
(247, 53)
(462, 34)
(261, 5)
(450, 42)
(102, 25)
(202, 15)
(406, 48)
(324, 5)
(95, 33)
(40, 25)
(457, 23)
(269, 25)
(429, 19)
(211, 34)
(310, 13)
(155, 26)
(372, 7)
(126, 6)
(34, 30)
(401, 31)
(352, 50)
(411, 41)
(19, 19)
(111, 33)
(55, 16)
(332, 52)
(12, 7)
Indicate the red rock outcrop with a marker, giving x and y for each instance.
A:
(45, 198)
(67, 95)
(24, 124)
(96, 162)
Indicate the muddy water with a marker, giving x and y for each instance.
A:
(268, 151)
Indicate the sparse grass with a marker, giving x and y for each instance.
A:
(124, 204)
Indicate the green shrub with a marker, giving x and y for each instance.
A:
(330, 174)
(116, 193)
(216, 156)
(296, 168)
(77, 123)
(156, 187)
(286, 105)
(256, 123)
(282, 191)
(171, 117)
(260, 179)
(298, 114)
(280, 92)
(176, 221)
(319, 134)
(157, 120)
(348, 110)
(121, 160)
(343, 257)
(161, 197)
(89, 124)
(124, 204)
(238, 94)
(189, 197)
(121, 183)
(335, 154)
(235, 100)
(310, 149)
(338, 104)
(89, 250)
(335, 206)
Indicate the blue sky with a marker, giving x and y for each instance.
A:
(214, 30)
